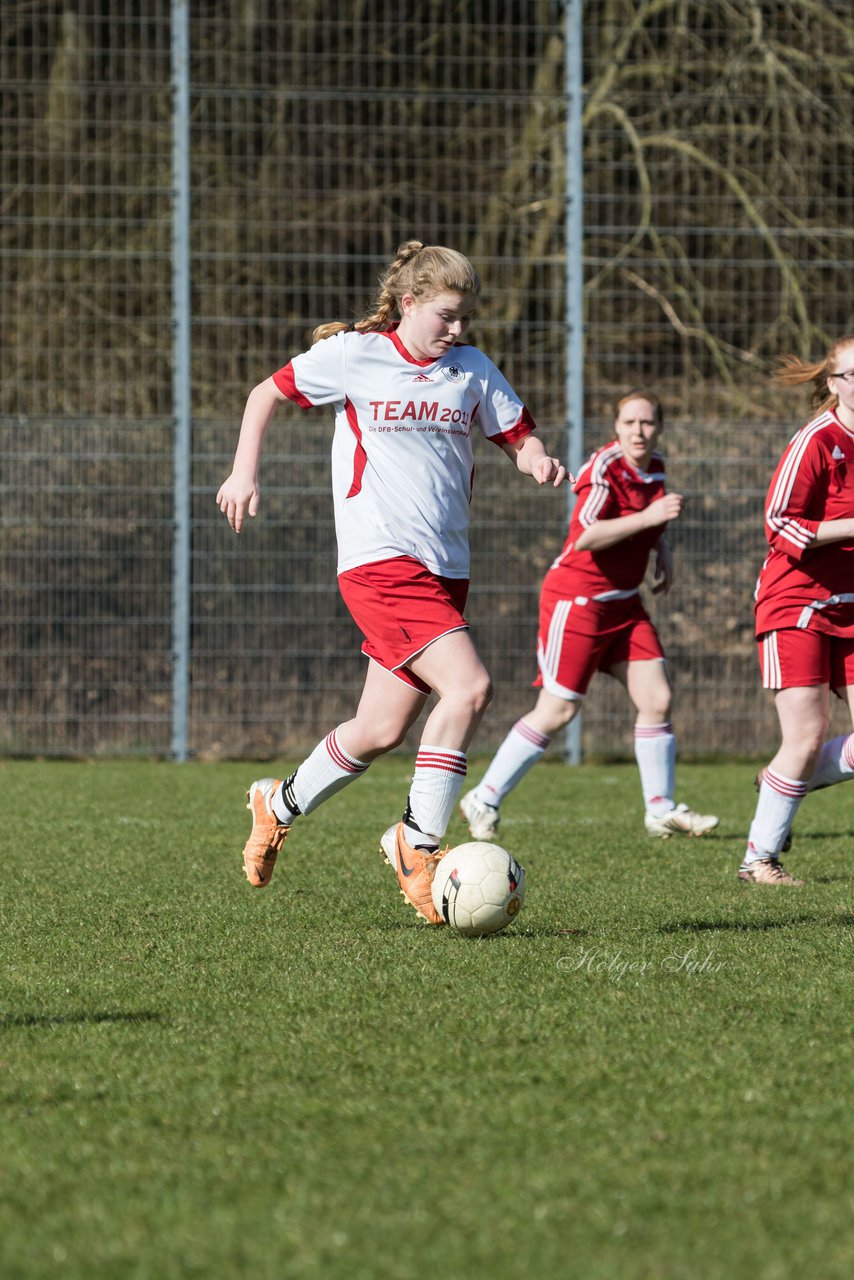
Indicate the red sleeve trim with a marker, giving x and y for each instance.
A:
(285, 381)
(524, 427)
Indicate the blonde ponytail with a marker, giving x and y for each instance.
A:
(328, 330)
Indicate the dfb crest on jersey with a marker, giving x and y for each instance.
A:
(454, 373)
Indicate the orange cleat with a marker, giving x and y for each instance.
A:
(268, 834)
(415, 870)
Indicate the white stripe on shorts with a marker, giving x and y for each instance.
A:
(554, 640)
(772, 677)
(548, 657)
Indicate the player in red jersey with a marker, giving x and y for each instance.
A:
(592, 619)
(805, 607)
(406, 397)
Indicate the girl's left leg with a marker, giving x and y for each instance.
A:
(649, 689)
(803, 712)
(452, 667)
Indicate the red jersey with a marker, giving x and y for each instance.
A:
(801, 584)
(608, 486)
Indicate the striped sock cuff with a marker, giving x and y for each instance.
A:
(790, 787)
(342, 758)
(441, 758)
(848, 752)
(536, 739)
(653, 730)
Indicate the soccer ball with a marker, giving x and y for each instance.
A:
(478, 888)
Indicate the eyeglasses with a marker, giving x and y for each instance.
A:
(847, 376)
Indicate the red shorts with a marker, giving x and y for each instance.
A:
(400, 607)
(579, 637)
(793, 658)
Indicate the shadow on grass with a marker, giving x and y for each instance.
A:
(10, 1020)
(755, 926)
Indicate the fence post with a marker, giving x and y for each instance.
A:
(574, 250)
(181, 376)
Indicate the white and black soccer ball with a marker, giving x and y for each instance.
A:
(478, 888)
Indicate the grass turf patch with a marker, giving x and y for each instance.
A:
(647, 1075)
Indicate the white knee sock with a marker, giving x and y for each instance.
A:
(519, 752)
(835, 763)
(436, 784)
(776, 807)
(655, 752)
(328, 769)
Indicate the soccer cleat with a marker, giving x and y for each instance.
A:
(268, 834)
(483, 819)
(415, 870)
(680, 821)
(787, 843)
(767, 871)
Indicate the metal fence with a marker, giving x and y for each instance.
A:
(717, 232)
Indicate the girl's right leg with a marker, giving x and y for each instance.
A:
(835, 762)
(387, 708)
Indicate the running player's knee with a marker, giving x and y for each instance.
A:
(810, 740)
(801, 745)
(654, 706)
(388, 734)
(473, 698)
(481, 694)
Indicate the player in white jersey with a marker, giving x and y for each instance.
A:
(805, 607)
(592, 619)
(407, 397)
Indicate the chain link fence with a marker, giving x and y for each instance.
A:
(718, 210)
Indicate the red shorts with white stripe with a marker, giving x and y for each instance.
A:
(400, 607)
(793, 658)
(579, 637)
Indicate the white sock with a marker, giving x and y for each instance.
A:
(655, 752)
(776, 807)
(436, 783)
(835, 763)
(518, 753)
(328, 769)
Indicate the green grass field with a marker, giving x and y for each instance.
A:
(649, 1075)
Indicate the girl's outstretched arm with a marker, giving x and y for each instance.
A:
(240, 493)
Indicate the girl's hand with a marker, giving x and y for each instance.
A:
(237, 496)
(663, 569)
(546, 469)
(664, 509)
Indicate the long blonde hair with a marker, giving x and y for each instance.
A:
(792, 371)
(420, 269)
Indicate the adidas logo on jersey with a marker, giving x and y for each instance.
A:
(421, 377)
(837, 453)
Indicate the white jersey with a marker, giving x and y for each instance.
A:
(402, 462)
